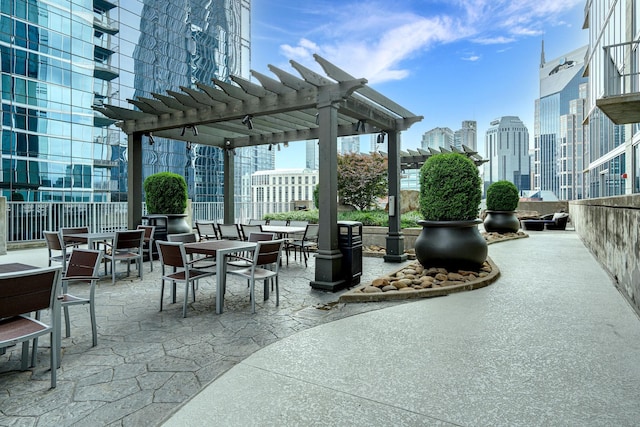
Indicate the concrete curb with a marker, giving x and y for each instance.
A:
(356, 295)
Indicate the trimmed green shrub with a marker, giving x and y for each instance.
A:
(166, 193)
(502, 196)
(449, 188)
(379, 218)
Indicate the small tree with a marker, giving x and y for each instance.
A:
(361, 179)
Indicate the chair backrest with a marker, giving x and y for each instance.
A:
(54, 240)
(182, 237)
(28, 291)
(298, 223)
(129, 239)
(250, 228)
(257, 222)
(258, 237)
(268, 252)
(148, 231)
(278, 222)
(73, 230)
(229, 231)
(206, 230)
(311, 233)
(172, 254)
(83, 263)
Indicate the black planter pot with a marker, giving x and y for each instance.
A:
(177, 223)
(501, 222)
(454, 245)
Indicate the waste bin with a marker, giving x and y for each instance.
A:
(350, 244)
(161, 223)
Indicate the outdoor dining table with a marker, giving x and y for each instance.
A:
(283, 230)
(220, 249)
(93, 238)
(15, 267)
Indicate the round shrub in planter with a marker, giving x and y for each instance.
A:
(449, 203)
(166, 194)
(502, 201)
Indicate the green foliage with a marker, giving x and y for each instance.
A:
(166, 193)
(449, 188)
(316, 196)
(361, 179)
(502, 196)
(379, 218)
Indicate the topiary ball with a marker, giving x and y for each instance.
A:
(165, 193)
(502, 196)
(449, 188)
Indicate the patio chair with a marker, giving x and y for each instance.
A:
(556, 221)
(229, 232)
(73, 241)
(206, 230)
(54, 245)
(279, 222)
(253, 237)
(82, 269)
(173, 255)
(265, 265)
(308, 240)
(22, 293)
(250, 228)
(147, 241)
(257, 222)
(127, 247)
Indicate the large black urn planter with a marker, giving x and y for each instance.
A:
(177, 224)
(501, 222)
(454, 245)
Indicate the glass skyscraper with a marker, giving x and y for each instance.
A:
(61, 57)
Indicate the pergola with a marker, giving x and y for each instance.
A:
(291, 108)
(414, 159)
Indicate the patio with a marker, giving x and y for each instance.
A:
(554, 345)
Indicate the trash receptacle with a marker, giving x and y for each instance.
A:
(350, 243)
(161, 223)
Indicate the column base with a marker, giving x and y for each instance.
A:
(395, 258)
(329, 275)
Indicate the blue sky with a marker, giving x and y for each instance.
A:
(447, 60)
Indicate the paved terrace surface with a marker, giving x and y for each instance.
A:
(552, 342)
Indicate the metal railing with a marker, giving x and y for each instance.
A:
(622, 68)
(27, 220)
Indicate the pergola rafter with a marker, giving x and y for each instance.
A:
(289, 108)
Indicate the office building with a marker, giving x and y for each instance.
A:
(349, 144)
(312, 160)
(556, 159)
(283, 189)
(61, 58)
(436, 138)
(466, 135)
(507, 152)
(612, 67)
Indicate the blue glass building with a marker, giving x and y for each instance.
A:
(59, 58)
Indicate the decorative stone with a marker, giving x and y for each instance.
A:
(406, 288)
(399, 284)
(441, 277)
(455, 276)
(380, 282)
(371, 290)
(389, 288)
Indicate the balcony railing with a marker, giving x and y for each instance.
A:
(621, 91)
(27, 220)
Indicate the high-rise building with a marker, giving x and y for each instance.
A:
(349, 144)
(312, 160)
(61, 58)
(437, 137)
(507, 152)
(555, 159)
(466, 135)
(613, 66)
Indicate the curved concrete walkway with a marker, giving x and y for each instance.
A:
(552, 342)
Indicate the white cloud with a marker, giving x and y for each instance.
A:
(374, 39)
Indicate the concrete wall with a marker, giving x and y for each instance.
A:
(378, 236)
(608, 226)
(543, 208)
